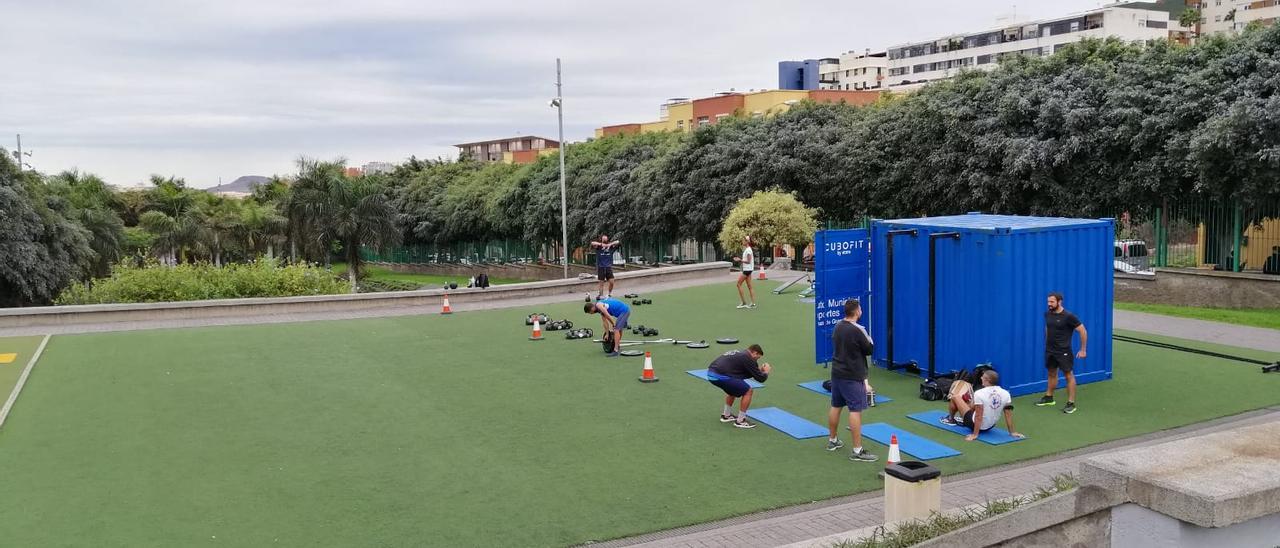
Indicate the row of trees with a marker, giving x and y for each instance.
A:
(1098, 127)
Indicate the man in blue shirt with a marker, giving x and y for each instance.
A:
(614, 314)
(604, 264)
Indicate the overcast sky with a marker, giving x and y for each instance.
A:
(203, 90)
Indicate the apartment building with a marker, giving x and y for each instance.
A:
(1226, 16)
(373, 168)
(683, 114)
(512, 150)
(907, 66)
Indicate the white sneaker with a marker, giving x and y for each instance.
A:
(752, 305)
(742, 306)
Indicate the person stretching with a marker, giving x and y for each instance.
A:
(988, 404)
(604, 264)
(729, 372)
(615, 315)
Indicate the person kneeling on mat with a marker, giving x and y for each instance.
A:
(988, 403)
(614, 314)
(729, 372)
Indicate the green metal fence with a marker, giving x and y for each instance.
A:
(1205, 234)
(642, 251)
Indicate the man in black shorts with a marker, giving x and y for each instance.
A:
(1058, 326)
(604, 264)
(849, 384)
(729, 372)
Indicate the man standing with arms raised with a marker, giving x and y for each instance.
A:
(604, 264)
(849, 384)
(1058, 327)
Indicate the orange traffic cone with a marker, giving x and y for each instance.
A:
(446, 309)
(895, 456)
(761, 275)
(537, 330)
(647, 375)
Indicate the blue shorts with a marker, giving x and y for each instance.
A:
(620, 322)
(848, 393)
(733, 387)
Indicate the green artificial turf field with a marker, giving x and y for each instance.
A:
(379, 273)
(458, 431)
(22, 348)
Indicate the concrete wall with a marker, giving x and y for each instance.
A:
(1138, 527)
(1204, 288)
(430, 300)
(529, 272)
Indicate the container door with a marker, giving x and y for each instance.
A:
(842, 260)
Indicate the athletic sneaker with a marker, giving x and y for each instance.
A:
(727, 418)
(1070, 408)
(743, 305)
(752, 305)
(832, 445)
(948, 420)
(862, 456)
(744, 423)
(612, 355)
(1045, 400)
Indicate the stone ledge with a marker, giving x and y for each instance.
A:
(1218, 274)
(106, 313)
(1214, 480)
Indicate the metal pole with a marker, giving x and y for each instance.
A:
(564, 223)
(1235, 245)
(18, 154)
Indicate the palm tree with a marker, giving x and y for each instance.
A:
(93, 204)
(354, 211)
(174, 236)
(261, 225)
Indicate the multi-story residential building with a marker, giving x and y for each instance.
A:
(857, 71)
(805, 74)
(682, 114)
(517, 150)
(907, 66)
(373, 168)
(1223, 16)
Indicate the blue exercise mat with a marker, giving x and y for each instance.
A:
(911, 444)
(994, 436)
(704, 375)
(789, 424)
(816, 386)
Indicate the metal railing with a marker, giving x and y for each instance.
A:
(1205, 234)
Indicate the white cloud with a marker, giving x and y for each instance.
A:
(209, 89)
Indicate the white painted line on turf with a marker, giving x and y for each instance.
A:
(13, 396)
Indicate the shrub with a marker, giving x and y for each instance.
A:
(192, 282)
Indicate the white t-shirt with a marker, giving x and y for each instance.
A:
(748, 260)
(993, 399)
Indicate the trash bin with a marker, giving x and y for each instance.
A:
(912, 490)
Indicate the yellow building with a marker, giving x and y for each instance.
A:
(685, 114)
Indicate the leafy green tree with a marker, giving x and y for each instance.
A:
(769, 218)
(42, 248)
(1189, 17)
(92, 204)
(262, 227)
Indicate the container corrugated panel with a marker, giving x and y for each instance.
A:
(991, 293)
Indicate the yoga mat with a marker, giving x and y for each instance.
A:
(816, 386)
(787, 423)
(705, 375)
(919, 447)
(994, 436)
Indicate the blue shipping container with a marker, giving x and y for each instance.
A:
(992, 283)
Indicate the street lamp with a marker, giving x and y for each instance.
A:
(558, 104)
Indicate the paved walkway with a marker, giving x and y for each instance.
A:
(805, 522)
(1199, 330)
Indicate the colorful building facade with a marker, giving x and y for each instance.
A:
(685, 114)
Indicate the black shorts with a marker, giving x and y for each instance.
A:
(967, 421)
(733, 387)
(604, 273)
(1059, 360)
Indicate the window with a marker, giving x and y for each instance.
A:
(1075, 26)
(703, 120)
(721, 117)
(1157, 24)
(539, 144)
(923, 67)
(679, 124)
(517, 146)
(984, 59)
(1217, 19)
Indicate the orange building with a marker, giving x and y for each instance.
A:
(518, 150)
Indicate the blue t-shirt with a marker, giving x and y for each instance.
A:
(615, 307)
(604, 257)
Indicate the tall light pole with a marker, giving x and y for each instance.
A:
(558, 102)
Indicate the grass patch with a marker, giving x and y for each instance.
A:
(1255, 317)
(24, 347)
(390, 280)
(458, 431)
(936, 525)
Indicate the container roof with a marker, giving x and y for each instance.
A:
(977, 221)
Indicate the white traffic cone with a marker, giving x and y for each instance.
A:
(894, 455)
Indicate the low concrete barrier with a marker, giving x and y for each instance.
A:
(429, 299)
(1203, 288)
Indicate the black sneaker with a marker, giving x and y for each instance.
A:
(1070, 408)
(862, 456)
(832, 445)
(744, 423)
(1045, 400)
(948, 420)
(727, 418)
